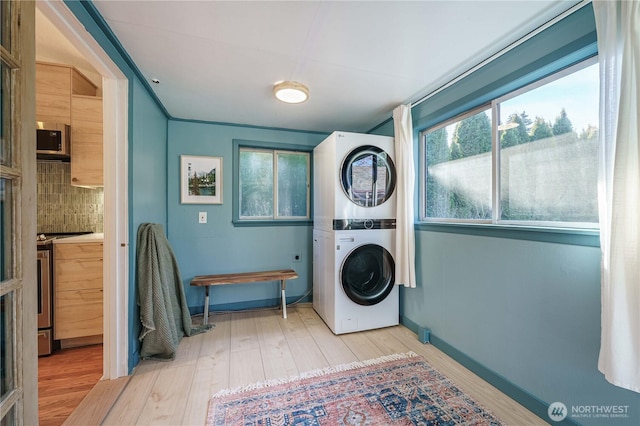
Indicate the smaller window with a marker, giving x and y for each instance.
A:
(273, 184)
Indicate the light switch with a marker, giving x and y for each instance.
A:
(202, 217)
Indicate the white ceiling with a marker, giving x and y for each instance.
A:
(218, 60)
(52, 46)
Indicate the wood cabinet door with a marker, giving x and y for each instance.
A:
(53, 93)
(78, 274)
(78, 291)
(86, 141)
(78, 313)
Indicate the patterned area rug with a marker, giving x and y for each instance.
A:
(401, 389)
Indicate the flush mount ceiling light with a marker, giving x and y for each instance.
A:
(507, 126)
(291, 92)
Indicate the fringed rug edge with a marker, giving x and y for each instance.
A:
(315, 373)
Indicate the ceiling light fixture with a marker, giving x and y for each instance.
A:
(291, 92)
(507, 126)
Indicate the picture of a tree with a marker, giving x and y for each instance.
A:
(203, 183)
(201, 179)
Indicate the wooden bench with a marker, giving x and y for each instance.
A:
(281, 275)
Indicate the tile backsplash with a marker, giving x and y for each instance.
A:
(66, 208)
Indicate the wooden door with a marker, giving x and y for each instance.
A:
(18, 325)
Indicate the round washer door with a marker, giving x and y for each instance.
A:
(367, 274)
(368, 176)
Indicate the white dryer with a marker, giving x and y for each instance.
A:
(354, 178)
(354, 279)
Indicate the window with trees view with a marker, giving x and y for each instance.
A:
(273, 184)
(543, 171)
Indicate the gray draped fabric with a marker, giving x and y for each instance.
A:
(164, 313)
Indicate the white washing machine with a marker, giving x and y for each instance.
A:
(354, 178)
(354, 285)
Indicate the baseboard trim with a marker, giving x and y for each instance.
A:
(524, 398)
(251, 304)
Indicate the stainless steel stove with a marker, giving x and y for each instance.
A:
(45, 289)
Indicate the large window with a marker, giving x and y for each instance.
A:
(528, 158)
(273, 184)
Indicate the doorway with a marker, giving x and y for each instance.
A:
(115, 130)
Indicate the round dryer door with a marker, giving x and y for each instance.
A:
(368, 176)
(368, 274)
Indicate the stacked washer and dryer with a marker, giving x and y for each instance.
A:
(354, 232)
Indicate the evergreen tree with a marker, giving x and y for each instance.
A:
(509, 137)
(523, 126)
(540, 129)
(514, 136)
(472, 136)
(456, 151)
(562, 124)
(437, 202)
(526, 120)
(437, 147)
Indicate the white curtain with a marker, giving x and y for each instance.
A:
(617, 25)
(405, 238)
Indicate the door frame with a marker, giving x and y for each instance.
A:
(115, 95)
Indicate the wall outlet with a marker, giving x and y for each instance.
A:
(202, 217)
(296, 258)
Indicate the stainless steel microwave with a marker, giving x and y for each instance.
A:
(53, 141)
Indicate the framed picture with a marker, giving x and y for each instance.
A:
(200, 180)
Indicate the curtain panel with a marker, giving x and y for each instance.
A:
(618, 28)
(405, 236)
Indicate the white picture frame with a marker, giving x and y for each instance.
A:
(200, 179)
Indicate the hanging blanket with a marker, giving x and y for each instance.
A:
(164, 313)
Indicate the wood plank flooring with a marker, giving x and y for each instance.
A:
(248, 347)
(64, 379)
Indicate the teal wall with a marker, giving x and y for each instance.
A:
(147, 188)
(528, 311)
(218, 246)
(147, 121)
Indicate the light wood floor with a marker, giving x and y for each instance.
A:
(248, 347)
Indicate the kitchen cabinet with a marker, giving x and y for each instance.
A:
(64, 95)
(78, 311)
(86, 141)
(55, 83)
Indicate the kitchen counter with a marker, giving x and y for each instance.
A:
(96, 237)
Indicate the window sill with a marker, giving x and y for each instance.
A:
(571, 236)
(254, 223)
